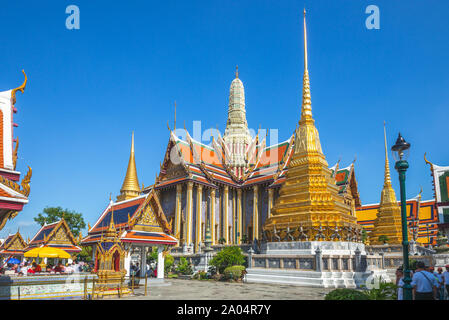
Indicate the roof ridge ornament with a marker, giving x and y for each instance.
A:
(21, 88)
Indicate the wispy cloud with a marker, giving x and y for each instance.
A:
(26, 223)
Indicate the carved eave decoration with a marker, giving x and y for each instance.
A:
(7, 216)
(23, 188)
(21, 89)
(167, 161)
(284, 162)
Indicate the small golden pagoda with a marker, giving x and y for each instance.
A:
(309, 207)
(130, 188)
(388, 222)
(109, 263)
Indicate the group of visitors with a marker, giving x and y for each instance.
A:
(150, 271)
(427, 283)
(29, 268)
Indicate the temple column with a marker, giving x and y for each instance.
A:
(233, 216)
(198, 233)
(212, 215)
(270, 202)
(160, 263)
(225, 214)
(239, 216)
(143, 261)
(256, 213)
(177, 231)
(189, 206)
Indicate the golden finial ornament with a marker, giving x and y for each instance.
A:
(236, 72)
(21, 88)
(130, 188)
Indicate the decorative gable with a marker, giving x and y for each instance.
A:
(148, 221)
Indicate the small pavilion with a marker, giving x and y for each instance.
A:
(139, 220)
(55, 235)
(13, 247)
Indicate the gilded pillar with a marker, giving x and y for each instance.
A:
(226, 214)
(177, 231)
(270, 201)
(199, 220)
(212, 215)
(189, 206)
(233, 215)
(239, 216)
(256, 212)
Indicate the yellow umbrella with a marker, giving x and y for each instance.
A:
(47, 252)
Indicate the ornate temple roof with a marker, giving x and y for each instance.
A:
(13, 245)
(139, 220)
(56, 235)
(205, 164)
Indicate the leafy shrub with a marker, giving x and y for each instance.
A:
(346, 294)
(228, 257)
(201, 275)
(234, 273)
(386, 291)
(184, 267)
(168, 263)
(221, 240)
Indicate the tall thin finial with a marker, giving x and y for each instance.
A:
(175, 114)
(387, 164)
(306, 109)
(305, 41)
(236, 71)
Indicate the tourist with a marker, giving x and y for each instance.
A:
(59, 268)
(424, 283)
(400, 283)
(69, 268)
(32, 270)
(37, 268)
(439, 275)
(446, 279)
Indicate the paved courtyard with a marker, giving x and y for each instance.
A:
(175, 289)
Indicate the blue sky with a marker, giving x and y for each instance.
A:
(88, 89)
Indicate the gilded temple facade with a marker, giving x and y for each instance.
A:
(13, 192)
(244, 189)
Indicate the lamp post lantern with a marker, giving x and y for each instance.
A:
(400, 152)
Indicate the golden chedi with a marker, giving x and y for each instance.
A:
(387, 226)
(308, 206)
(130, 188)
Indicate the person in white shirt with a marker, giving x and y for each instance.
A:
(400, 283)
(424, 283)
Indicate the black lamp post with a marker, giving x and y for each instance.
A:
(400, 152)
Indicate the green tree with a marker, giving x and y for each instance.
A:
(85, 254)
(228, 257)
(74, 219)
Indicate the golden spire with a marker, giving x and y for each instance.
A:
(236, 71)
(309, 196)
(130, 188)
(387, 178)
(388, 220)
(306, 112)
